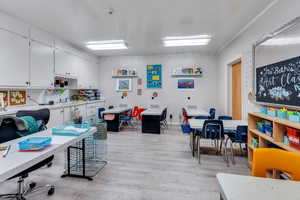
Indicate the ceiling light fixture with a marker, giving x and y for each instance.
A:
(196, 40)
(107, 45)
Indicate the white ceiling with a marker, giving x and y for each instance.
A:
(142, 23)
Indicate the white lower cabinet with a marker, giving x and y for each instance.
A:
(56, 117)
(67, 115)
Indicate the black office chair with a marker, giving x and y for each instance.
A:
(8, 131)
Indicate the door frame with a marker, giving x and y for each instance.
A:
(229, 86)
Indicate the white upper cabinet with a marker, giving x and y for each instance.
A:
(65, 63)
(87, 78)
(14, 60)
(42, 66)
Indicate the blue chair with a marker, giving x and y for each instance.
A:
(202, 117)
(126, 119)
(110, 107)
(100, 111)
(212, 113)
(224, 117)
(239, 136)
(213, 130)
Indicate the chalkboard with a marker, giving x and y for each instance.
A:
(279, 83)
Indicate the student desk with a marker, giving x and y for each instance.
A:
(227, 124)
(114, 125)
(194, 112)
(151, 120)
(238, 187)
(15, 161)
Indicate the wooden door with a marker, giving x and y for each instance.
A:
(237, 91)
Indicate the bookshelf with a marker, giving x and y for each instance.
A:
(279, 126)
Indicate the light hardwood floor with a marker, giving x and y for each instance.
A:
(141, 167)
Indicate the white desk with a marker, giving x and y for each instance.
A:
(194, 112)
(237, 187)
(15, 162)
(227, 124)
(117, 110)
(151, 120)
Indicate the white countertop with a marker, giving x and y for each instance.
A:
(238, 187)
(15, 161)
(13, 110)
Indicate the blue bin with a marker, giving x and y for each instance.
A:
(263, 110)
(282, 114)
(294, 118)
(272, 113)
(35, 143)
(186, 128)
(60, 130)
(269, 130)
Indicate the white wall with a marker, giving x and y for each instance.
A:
(204, 95)
(279, 14)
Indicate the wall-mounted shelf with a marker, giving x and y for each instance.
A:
(279, 126)
(187, 75)
(123, 76)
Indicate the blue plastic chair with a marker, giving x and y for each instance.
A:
(126, 119)
(213, 130)
(202, 117)
(100, 111)
(110, 107)
(212, 113)
(239, 136)
(224, 117)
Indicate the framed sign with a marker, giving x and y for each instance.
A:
(154, 76)
(186, 83)
(124, 85)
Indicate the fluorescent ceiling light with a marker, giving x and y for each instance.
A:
(282, 41)
(197, 40)
(107, 45)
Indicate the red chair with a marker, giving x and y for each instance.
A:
(140, 113)
(185, 117)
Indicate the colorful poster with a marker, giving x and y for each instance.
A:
(154, 76)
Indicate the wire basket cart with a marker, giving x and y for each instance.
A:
(87, 158)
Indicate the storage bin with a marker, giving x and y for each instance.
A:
(282, 114)
(293, 135)
(260, 126)
(71, 129)
(186, 128)
(272, 113)
(294, 118)
(255, 142)
(263, 110)
(269, 130)
(35, 143)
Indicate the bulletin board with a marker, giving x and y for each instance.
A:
(154, 76)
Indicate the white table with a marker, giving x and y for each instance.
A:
(15, 162)
(114, 125)
(153, 111)
(238, 187)
(117, 110)
(194, 112)
(151, 120)
(227, 124)
(198, 124)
